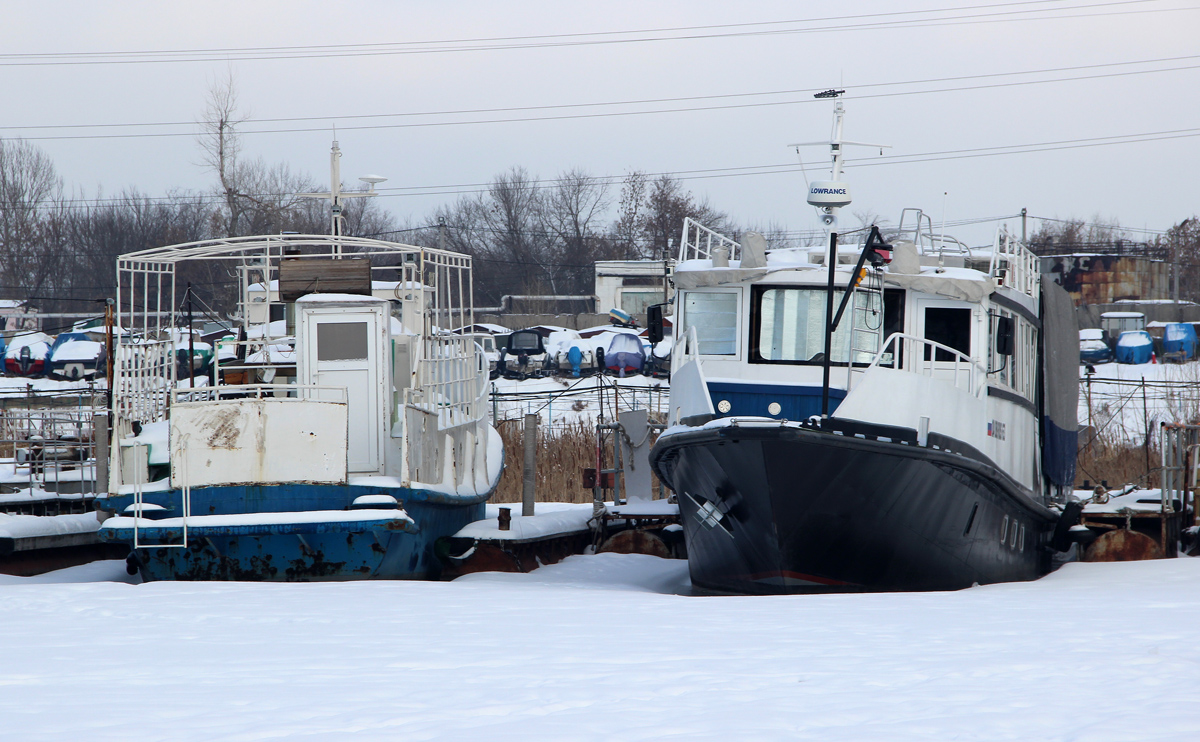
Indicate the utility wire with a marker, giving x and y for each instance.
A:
(643, 101)
(806, 100)
(1054, 12)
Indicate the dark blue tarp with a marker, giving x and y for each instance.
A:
(1060, 392)
(1179, 338)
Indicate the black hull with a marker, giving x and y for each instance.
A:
(796, 510)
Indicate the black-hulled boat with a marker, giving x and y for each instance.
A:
(923, 440)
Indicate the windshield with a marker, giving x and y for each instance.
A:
(787, 325)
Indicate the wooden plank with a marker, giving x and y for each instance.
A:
(301, 276)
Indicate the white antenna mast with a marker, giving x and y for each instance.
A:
(829, 196)
(335, 194)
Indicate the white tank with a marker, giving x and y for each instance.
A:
(829, 193)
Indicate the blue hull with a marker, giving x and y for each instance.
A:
(381, 543)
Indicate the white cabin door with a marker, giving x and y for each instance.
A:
(345, 356)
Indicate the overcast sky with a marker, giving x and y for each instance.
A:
(402, 61)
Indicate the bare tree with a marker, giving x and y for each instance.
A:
(571, 214)
(628, 227)
(220, 143)
(29, 186)
(667, 204)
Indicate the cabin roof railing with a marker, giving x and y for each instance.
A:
(255, 246)
(1014, 265)
(699, 242)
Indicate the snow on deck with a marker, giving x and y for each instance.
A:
(35, 526)
(600, 648)
(246, 520)
(550, 519)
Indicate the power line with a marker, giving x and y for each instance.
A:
(938, 17)
(612, 114)
(643, 101)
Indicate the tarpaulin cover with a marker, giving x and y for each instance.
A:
(1134, 346)
(1060, 399)
(1180, 337)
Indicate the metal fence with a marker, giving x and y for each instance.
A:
(48, 451)
(584, 402)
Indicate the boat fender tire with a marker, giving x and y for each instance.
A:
(1071, 514)
(132, 564)
(636, 541)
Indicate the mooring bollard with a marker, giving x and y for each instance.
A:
(530, 472)
(505, 519)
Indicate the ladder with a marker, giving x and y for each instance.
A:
(866, 315)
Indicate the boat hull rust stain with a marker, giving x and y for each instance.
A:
(389, 547)
(1122, 545)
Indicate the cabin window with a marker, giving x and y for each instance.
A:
(635, 302)
(950, 326)
(788, 326)
(714, 315)
(341, 341)
(1002, 368)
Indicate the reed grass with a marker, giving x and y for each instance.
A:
(561, 458)
(1113, 458)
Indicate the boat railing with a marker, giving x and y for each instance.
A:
(919, 355)
(144, 374)
(686, 351)
(917, 227)
(238, 392)
(700, 243)
(1013, 264)
(451, 376)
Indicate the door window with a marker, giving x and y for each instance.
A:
(342, 341)
(950, 326)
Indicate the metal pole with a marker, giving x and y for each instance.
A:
(1146, 420)
(109, 351)
(192, 342)
(100, 436)
(1023, 213)
(529, 479)
(828, 326)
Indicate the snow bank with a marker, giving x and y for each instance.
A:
(599, 648)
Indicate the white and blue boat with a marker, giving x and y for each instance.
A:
(923, 438)
(340, 442)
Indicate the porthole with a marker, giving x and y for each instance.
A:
(774, 408)
(1022, 540)
(1012, 541)
(1004, 530)
(723, 406)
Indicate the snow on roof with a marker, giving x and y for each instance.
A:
(1121, 315)
(28, 338)
(1154, 301)
(78, 350)
(483, 327)
(1091, 334)
(1134, 338)
(335, 298)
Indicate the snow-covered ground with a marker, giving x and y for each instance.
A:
(605, 647)
(1172, 394)
(568, 402)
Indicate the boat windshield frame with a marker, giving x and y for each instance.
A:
(841, 338)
